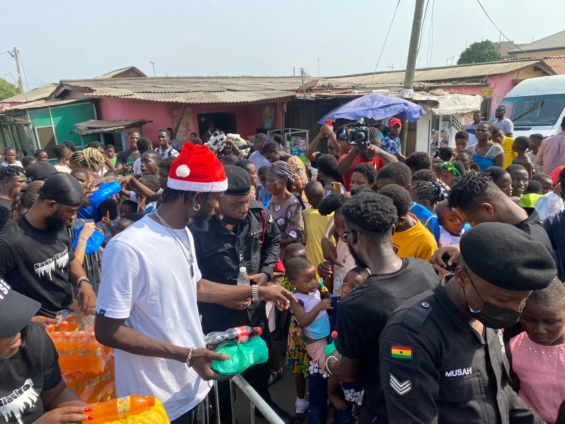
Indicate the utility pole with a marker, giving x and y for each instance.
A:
(408, 90)
(16, 55)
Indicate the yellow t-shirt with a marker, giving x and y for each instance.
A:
(417, 242)
(314, 228)
(509, 155)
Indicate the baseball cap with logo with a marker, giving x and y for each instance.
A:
(16, 311)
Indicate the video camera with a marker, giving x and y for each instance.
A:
(356, 133)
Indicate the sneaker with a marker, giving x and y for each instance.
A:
(274, 376)
(300, 411)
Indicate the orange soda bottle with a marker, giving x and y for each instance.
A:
(72, 323)
(83, 353)
(64, 326)
(120, 408)
(66, 356)
(96, 357)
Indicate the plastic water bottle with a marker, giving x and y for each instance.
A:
(238, 334)
(241, 280)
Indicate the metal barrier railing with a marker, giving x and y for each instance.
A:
(255, 401)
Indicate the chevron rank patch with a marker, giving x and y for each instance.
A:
(402, 388)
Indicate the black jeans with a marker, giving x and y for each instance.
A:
(197, 415)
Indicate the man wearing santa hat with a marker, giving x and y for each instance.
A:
(147, 302)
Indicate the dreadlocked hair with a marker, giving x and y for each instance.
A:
(432, 192)
(170, 195)
(331, 203)
(471, 189)
(24, 199)
(7, 172)
(89, 158)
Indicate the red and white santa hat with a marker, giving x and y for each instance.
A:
(197, 169)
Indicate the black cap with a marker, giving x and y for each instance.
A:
(63, 188)
(507, 257)
(16, 311)
(239, 181)
(40, 171)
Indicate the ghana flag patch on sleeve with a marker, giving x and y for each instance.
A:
(401, 352)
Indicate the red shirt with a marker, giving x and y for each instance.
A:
(377, 162)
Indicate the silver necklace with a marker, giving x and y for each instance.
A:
(184, 247)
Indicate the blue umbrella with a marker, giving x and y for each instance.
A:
(376, 106)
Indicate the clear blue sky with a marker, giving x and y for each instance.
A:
(64, 39)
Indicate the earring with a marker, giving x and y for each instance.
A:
(196, 208)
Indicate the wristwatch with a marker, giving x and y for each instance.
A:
(255, 292)
(79, 283)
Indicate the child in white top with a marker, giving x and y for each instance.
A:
(450, 225)
(310, 310)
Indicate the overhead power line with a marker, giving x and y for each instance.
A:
(386, 38)
(498, 29)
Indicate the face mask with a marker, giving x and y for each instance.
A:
(493, 316)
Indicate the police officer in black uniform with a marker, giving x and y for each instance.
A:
(240, 234)
(442, 357)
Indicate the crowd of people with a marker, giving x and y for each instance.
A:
(409, 289)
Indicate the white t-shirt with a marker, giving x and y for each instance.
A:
(258, 160)
(18, 163)
(137, 166)
(446, 238)
(157, 296)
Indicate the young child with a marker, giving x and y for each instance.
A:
(535, 143)
(347, 397)
(501, 178)
(465, 157)
(108, 210)
(250, 168)
(263, 196)
(152, 182)
(506, 144)
(163, 172)
(363, 175)
(410, 238)
(520, 179)
(297, 358)
(314, 223)
(110, 151)
(520, 145)
(310, 313)
(537, 355)
(451, 226)
(451, 173)
(127, 207)
(544, 180)
(128, 219)
(445, 154)
(461, 140)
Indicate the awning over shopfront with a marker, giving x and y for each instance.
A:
(100, 127)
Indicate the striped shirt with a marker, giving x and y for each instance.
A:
(551, 153)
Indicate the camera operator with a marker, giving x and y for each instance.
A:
(365, 151)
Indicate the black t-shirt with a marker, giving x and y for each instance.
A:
(362, 316)
(533, 226)
(36, 264)
(126, 156)
(5, 209)
(25, 375)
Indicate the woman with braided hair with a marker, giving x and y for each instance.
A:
(12, 179)
(24, 199)
(89, 159)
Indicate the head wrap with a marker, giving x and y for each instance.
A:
(62, 188)
(239, 181)
(40, 171)
(283, 170)
(507, 257)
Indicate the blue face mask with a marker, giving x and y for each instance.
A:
(493, 316)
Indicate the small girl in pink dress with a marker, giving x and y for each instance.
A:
(538, 354)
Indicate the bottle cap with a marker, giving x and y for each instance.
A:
(334, 334)
(259, 331)
(242, 269)
(151, 400)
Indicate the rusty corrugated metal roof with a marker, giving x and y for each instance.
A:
(557, 63)
(475, 71)
(39, 93)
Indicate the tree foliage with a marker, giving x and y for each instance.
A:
(7, 90)
(479, 52)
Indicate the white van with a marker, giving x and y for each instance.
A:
(536, 105)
